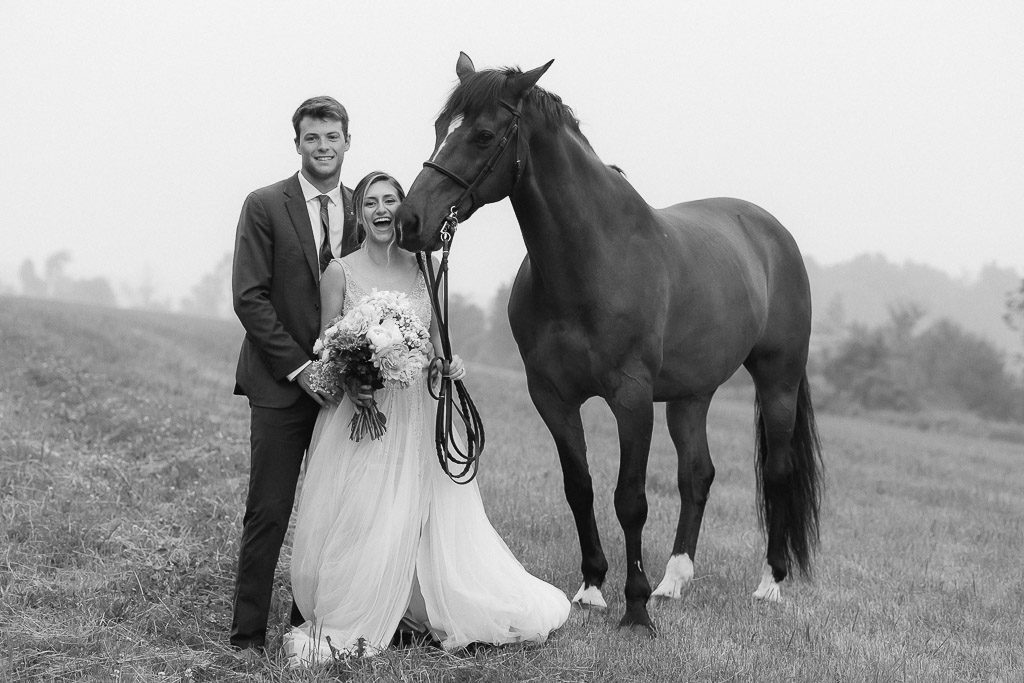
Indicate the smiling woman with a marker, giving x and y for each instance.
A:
(377, 511)
(377, 202)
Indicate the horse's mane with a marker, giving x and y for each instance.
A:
(482, 90)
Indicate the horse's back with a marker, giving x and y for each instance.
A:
(752, 287)
(731, 218)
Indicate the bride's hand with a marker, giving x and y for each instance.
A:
(360, 394)
(457, 368)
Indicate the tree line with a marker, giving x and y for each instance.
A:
(209, 297)
(900, 364)
(905, 366)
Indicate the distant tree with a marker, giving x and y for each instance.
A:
(1014, 315)
(958, 364)
(828, 332)
(31, 283)
(143, 294)
(58, 284)
(903, 318)
(867, 371)
(501, 345)
(211, 296)
(468, 328)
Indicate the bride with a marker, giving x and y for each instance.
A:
(384, 540)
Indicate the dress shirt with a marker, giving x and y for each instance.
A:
(336, 219)
(335, 214)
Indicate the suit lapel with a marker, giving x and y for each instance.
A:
(295, 204)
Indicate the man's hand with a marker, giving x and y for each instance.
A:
(321, 397)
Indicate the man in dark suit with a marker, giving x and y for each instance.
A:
(287, 234)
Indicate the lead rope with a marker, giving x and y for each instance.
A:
(460, 465)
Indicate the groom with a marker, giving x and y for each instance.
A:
(280, 251)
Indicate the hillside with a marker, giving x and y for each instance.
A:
(865, 286)
(123, 462)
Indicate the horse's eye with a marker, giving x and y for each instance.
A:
(484, 136)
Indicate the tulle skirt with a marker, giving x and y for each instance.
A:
(383, 534)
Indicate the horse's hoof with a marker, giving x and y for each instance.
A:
(678, 575)
(768, 590)
(588, 597)
(644, 624)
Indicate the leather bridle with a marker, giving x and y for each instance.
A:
(460, 463)
(451, 221)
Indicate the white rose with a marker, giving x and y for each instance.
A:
(384, 335)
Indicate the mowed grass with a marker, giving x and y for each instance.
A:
(123, 464)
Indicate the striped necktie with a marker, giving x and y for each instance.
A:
(325, 245)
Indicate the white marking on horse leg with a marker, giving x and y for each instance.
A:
(589, 597)
(455, 123)
(768, 590)
(678, 574)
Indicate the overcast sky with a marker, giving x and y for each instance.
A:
(132, 131)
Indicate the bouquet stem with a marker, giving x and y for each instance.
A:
(368, 420)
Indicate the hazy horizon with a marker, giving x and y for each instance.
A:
(865, 127)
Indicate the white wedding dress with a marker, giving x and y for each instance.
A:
(383, 536)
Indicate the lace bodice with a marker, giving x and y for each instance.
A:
(416, 290)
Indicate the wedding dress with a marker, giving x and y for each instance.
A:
(383, 536)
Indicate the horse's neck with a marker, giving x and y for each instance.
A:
(574, 211)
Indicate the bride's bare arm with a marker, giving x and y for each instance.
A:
(332, 294)
(332, 301)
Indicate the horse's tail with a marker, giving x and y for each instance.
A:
(802, 497)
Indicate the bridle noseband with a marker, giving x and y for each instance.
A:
(462, 464)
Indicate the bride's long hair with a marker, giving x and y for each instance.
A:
(359, 194)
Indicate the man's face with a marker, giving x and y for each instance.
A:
(322, 146)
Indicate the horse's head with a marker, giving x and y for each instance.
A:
(476, 153)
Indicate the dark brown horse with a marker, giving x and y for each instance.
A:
(636, 305)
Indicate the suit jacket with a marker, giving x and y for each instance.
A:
(275, 286)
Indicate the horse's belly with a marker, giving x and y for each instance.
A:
(699, 356)
(579, 361)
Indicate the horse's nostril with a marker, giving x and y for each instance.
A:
(410, 226)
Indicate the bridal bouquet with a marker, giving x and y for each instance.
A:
(381, 339)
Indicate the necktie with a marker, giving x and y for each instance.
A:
(325, 244)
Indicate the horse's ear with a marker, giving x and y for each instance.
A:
(520, 84)
(464, 67)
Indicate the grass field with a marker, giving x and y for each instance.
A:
(123, 460)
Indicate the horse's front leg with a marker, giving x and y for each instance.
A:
(687, 425)
(633, 407)
(563, 421)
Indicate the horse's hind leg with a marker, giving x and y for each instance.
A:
(566, 427)
(687, 424)
(789, 465)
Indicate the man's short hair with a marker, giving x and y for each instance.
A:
(322, 107)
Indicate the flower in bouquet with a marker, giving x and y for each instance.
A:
(380, 340)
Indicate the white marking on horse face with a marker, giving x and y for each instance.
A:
(455, 123)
